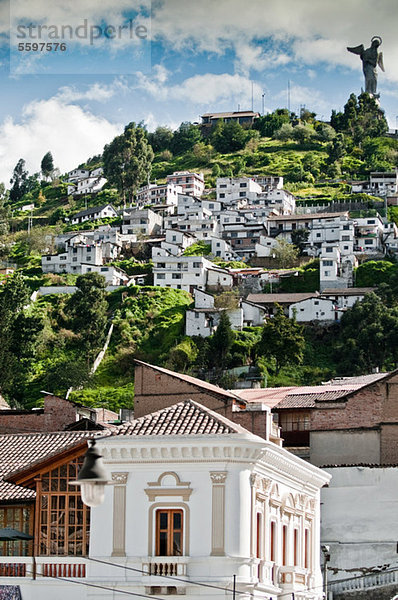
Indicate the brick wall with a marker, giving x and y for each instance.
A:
(363, 409)
(56, 414)
(154, 390)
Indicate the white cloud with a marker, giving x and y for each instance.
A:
(207, 89)
(309, 97)
(97, 92)
(69, 132)
(315, 32)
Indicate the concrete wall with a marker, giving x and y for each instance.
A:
(359, 519)
(344, 447)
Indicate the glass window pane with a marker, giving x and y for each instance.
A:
(163, 520)
(176, 543)
(177, 520)
(163, 543)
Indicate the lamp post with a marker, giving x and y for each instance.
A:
(92, 477)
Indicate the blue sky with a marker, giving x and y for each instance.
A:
(198, 56)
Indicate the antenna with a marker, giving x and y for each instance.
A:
(262, 97)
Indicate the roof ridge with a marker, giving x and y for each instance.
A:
(191, 380)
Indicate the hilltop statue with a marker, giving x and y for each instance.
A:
(371, 58)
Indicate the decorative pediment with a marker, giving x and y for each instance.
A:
(168, 484)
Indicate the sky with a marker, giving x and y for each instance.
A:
(170, 61)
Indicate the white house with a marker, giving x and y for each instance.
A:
(314, 309)
(369, 234)
(191, 183)
(77, 174)
(188, 272)
(204, 318)
(346, 298)
(158, 194)
(229, 189)
(222, 249)
(93, 214)
(144, 221)
(176, 241)
(197, 500)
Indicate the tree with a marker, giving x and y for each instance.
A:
(285, 254)
(284, 133)
(364, 337)
(300, 239)
(128, 159)
(18, 335)
(47, 165)
(325, 132)
(4, 211)
(362, 118)
(221, 342)
(303, 133)
(228, 137)
(185, 138)
(161, 139)
(282, 340)
(87, 310)
(18, 181)
(268, 124)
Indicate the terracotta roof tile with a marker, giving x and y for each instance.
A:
(185, 418)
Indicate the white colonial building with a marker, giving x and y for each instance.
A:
(198, 499)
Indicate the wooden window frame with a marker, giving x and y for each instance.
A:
(54, 523)
(169, 530)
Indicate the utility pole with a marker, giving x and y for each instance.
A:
(262, 97)
(234, 589)
(288, 95)
(252, 98)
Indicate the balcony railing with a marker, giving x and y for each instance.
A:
(42, 566)
(165, 566)
(293, 577)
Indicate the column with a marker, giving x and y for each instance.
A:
(119, 514)
(218, 513)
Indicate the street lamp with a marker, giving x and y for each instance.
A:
(92, 477)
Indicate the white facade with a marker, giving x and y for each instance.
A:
(141, 221)
(204, 318)
(191, 183)
(94, 214)
(222, 249)
(265, 246)
(359, 522)
(253, 314)
(231, 492)
(77, 174)
(314, 309)
(369, 234)
(188, 272)
(158, 194)
(232, 188)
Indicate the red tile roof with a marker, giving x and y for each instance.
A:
(184, 418)
(20, 451)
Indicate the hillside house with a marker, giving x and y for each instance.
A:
(141, 221)
(189, 272)
(192, 184)
(105, 211)
(204, 317)
(245, 118)
(158, 194)
(230, 189)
